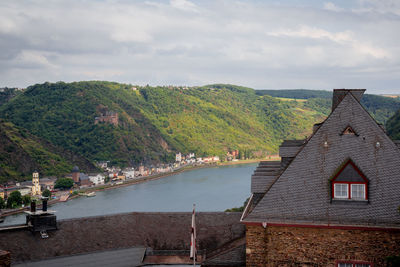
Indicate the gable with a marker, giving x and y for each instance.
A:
(349, 172)
(303, 194)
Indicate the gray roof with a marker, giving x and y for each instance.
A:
(83, 176)
(302, 193)
(293, 142)
(26, 183)
(349, 173)
(264, 176)
(117, 258)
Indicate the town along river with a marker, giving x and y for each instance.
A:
(211, 189)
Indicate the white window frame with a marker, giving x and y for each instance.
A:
(352, 195)
(347, 191)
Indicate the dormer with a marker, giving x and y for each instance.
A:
(349, 183)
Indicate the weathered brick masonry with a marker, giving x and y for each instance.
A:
(300, 246)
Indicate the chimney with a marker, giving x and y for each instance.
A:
(339, 94)
(44, 204)
(33, 206)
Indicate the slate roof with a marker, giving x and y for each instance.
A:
(264, 176)
(293, 143)
(349, 174)
(118, 258)
(302, 193)
(83, 176)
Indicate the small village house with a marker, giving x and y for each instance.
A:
(84, 180)
(129, 173)
(178, 157)
(80, 179)
(97, 178)
(48, 183)
(121, 176)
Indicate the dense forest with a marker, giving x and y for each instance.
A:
(21, 153)
(155, 122)
(393, 126)
(7, 93)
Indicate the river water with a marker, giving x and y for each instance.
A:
(211, 189)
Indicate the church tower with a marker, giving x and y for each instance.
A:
(35, 184)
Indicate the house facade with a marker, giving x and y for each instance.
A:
(97, 178)
(333, 198)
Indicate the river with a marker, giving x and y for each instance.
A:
(211, 189)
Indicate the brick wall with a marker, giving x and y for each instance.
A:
(296, 246)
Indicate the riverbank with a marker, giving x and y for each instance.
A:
(212, 189)
(132, 182)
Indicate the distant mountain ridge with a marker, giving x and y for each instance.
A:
(155, 122)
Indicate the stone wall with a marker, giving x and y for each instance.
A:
(5, 258)
(299, 246)
(160, 231)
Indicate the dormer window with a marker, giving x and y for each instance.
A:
(349, 183)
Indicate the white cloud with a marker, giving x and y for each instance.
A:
(332, 7)
(252, 43)
(184, 5)
(32, 59)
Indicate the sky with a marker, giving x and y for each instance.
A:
(259, 44)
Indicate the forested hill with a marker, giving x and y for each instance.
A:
(393, 126)
(380, 107)
(155, 122)
(21, 153)
(6, 94)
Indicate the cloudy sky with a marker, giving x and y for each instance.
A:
(260, 44)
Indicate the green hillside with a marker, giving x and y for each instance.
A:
(21, 154)
(380, 107)
(6, 94)
(296, 93)
(156, 122)
(393, 126)
(64, 115)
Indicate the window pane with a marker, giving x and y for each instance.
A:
(341, 191)
(345, 265)
(362, 265)
(358, 191)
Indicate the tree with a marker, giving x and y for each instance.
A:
(240, 209)
(46, 193)
(26, 199)
(2, 203)
(64, 183)
(14, 200)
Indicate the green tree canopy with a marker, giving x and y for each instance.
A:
(46, 193)
(64, 183)
(26, 199)
(14, 200)
(2, 203)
